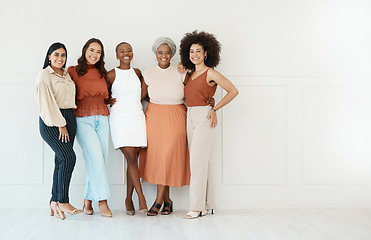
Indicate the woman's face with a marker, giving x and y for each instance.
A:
(58, 58)
(124, 53)
(93, 53)
(197, 54)
(163, 55)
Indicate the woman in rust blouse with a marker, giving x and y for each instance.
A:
(92, 123)
(200, 53)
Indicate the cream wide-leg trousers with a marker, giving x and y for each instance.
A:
(200, 140)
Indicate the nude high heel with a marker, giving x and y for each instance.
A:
(51, 209)
(130, 212)
(87, 211)
(60, 212)
(69, 212)
(107, 213)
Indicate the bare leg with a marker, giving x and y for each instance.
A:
(129, 194)
(166, 210)
(159, 200)
(131, 155)
(167, 194)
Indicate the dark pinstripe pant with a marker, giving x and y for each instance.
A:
(65, 157)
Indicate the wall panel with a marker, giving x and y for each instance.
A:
(254, 136)
(334, 136)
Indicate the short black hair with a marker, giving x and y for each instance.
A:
(209, 44)
(122, 43)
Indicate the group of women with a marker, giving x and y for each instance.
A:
(173, 142)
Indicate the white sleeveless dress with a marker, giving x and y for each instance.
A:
(127, 120)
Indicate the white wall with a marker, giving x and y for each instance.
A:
(297, 135)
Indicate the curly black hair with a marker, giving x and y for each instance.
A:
(209, 44)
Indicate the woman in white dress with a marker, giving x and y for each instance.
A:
(127, 120)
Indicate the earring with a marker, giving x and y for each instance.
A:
(49, 62)
(205, 57)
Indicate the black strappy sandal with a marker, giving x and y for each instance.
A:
(167, 205)
(155, 213)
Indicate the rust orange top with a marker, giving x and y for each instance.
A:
(197, 90)
(91, 92)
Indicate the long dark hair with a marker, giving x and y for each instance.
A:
(81, 68)
(51, 49)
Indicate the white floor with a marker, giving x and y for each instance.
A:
(262, 224)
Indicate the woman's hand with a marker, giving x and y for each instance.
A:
(63, 134)
(212, 117)
(210, 101)
(181, 68)
(112, 101)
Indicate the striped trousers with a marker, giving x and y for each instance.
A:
(65, 157)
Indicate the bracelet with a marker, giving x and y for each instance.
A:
(213, 109)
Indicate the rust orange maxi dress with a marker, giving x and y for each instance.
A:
(165, 161)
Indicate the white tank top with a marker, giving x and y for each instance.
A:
(126, 88)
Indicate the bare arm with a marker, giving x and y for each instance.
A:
(110, 78)
(144, 94)
(223, 82)
(144, 87)
(213, 77)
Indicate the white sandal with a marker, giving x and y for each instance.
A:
(192, 215)
(207, 211)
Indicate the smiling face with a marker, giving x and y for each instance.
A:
(163, 55)
(58, 58)
(197, 54)
(124, 53)
(93, 53)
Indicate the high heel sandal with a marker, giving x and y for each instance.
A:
(143, 210)
(72, 212)
(106, 213)
(54, 212)
(87, 211)
(204, 213)
(192, 215)
(167, 205)
(51, 209)
(155, 213)
(130, 212)
(60, 212)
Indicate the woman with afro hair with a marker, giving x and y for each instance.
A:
(200, 54)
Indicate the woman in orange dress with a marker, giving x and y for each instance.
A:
(165, 161)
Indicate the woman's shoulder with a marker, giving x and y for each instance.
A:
(71, 68)
(72, 71)
(44, 75)
(138, 72)
(111, 75)
(211, 72)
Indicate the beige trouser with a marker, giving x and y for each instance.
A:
(200, 140)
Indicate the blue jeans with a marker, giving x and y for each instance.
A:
(93, 137)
